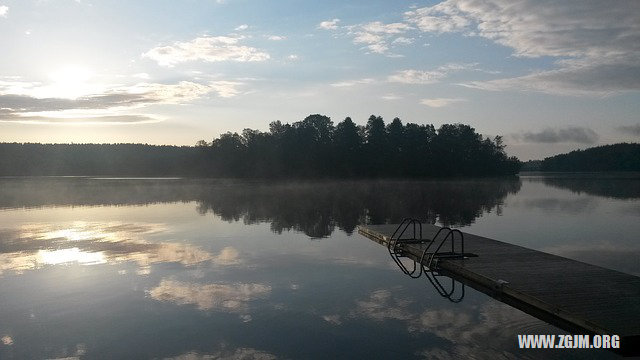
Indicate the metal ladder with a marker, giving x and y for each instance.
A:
(428, 264)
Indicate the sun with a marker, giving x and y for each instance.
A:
(71, 82)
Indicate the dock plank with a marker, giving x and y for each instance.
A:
(579, 297)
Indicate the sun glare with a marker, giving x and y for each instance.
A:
(73, 255)
(71, 82)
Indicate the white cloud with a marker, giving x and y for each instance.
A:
(390, 97)
(352, 82)
(416, 77)
(206, 48)
(182, 92)
(242, 27)
(412, 76)
(4, 10)
(403, 40)
(329, 24)
(226, 89)
(440, 18)
(440, 102)
(28, 102)
(293, 57)
(378, 27)
(276, 37)
(143, 76)
(601, 41)
(377, 36)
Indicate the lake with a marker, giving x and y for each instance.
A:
(118, 268)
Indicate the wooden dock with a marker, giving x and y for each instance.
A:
(575, 296)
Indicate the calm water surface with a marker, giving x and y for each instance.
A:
(200, 269)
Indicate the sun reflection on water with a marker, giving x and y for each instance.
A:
(72, 255)
(32, 246)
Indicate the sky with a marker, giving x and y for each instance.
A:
(548, 76)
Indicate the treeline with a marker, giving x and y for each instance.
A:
(98, 159)
(311, 148)
(616, 157)
(314, 147)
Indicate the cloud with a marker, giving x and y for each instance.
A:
(390, 96)
(598, 45)
(4, 10)
(440, 102)
(242, 27)
(630, 129)
(329, 24)
(377, 36)
(378, 27)
(84, 120)
(19, 101)
(226, 89)
(403, 40)
(276, 37)
(350, 83)
(206, 48)
(416, 77)
(575, 134)
(412, 76)
(233, 298)
(575, 79)
(143, 76)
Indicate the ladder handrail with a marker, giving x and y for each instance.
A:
(426, 264)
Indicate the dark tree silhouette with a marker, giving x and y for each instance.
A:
(311, 148)
(616, 157)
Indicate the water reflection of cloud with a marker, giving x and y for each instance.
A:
(7, 340)
(332, 319)
(227, 256)
(236, 354)
(466, 336)
(34, 246)
(234, 298)
(572, 206)
(381, 306)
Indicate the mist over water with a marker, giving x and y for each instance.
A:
(180, 268)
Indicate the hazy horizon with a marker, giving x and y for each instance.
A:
(561, 78)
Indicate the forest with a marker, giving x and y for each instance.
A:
(616, 157)
(311, 148)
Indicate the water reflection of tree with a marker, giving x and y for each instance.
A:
(611, 186)
(317, 208)
(313, 207)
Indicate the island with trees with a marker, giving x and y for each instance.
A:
(311, 148)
